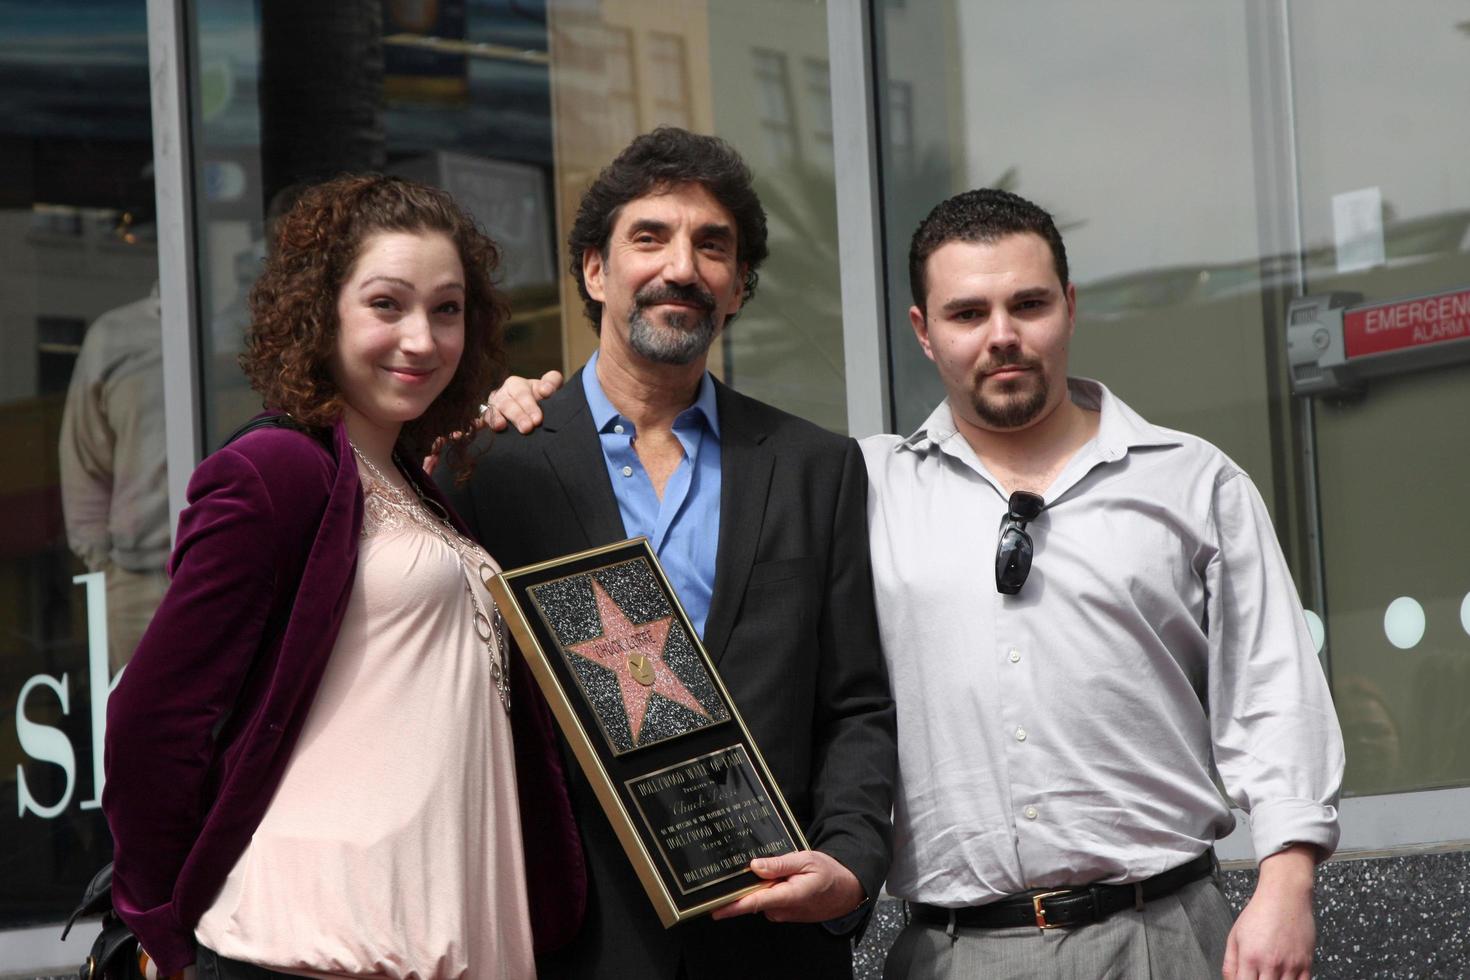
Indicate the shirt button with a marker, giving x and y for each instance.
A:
(618, 429)
(1015, 656)
(1020, 734)
(1030, 813)
(627, 471)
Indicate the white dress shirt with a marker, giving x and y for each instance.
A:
(1072, 733)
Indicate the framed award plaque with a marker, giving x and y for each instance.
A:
(651, 724)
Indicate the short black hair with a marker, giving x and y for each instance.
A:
(660, 160)
(984, 215)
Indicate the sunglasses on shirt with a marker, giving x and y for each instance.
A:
(1013, 551)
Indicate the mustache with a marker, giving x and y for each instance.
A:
(1009, 359)
(666, 293)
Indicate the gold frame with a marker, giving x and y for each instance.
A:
(586, 752)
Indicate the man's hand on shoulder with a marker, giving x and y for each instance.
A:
(809, 886)
(517, 402)
(513, 403)
(1275, 936)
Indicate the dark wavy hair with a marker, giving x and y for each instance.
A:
(293, 306)
(656, 161)
(985, 215)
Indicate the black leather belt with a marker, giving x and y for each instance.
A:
(1049, 908)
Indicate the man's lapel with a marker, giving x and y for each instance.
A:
(574, 451)
(745, 482)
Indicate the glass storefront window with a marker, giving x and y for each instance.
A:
(514, 107)
(83, 501)
(754, 73)
(447, 94)
(786, 348)
(1392, 459)
(1150, 133)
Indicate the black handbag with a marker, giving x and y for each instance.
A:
(114, 954)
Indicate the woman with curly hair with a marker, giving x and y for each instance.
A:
(323, 759)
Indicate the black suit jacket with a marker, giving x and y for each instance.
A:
(792, 630)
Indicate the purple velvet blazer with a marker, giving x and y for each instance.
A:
(204, 718)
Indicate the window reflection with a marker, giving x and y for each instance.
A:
(622, 88)
(114, 468)
(818, 78)
(777, 115)
(83, 508)
(513, 107)
(669, 79)
(457, 95)
(1381, 143)
(1161, 156)
(722, 67)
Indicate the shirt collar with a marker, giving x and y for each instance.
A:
(604, 413)
(1119, 430)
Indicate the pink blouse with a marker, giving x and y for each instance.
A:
(392, 848)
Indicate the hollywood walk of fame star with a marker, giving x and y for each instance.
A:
(634, 652)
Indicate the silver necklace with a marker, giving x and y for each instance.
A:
(486, 627)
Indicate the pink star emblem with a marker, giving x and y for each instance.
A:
(634, 652)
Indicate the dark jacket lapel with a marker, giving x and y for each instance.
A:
(745, 481)
(569, 440)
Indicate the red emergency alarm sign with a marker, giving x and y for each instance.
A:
(1406, 323)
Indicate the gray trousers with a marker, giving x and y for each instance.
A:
(1177, 937)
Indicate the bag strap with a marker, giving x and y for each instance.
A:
(95, 900)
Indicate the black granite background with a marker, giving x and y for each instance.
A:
(1405, 917)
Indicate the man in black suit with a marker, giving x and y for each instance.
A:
(759, 519)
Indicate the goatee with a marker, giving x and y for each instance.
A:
(1018, 403)
(684, 336)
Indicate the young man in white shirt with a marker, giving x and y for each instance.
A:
(1061, 727)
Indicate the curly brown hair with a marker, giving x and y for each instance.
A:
(293, 306)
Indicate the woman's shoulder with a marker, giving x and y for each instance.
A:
(290, 464)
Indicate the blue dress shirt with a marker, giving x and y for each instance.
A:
(683, 527)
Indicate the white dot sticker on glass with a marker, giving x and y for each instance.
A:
(1403, 622)
(1465, 613)
(1314, 626)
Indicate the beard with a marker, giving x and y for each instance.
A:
(683, 336)
(1019, 400)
